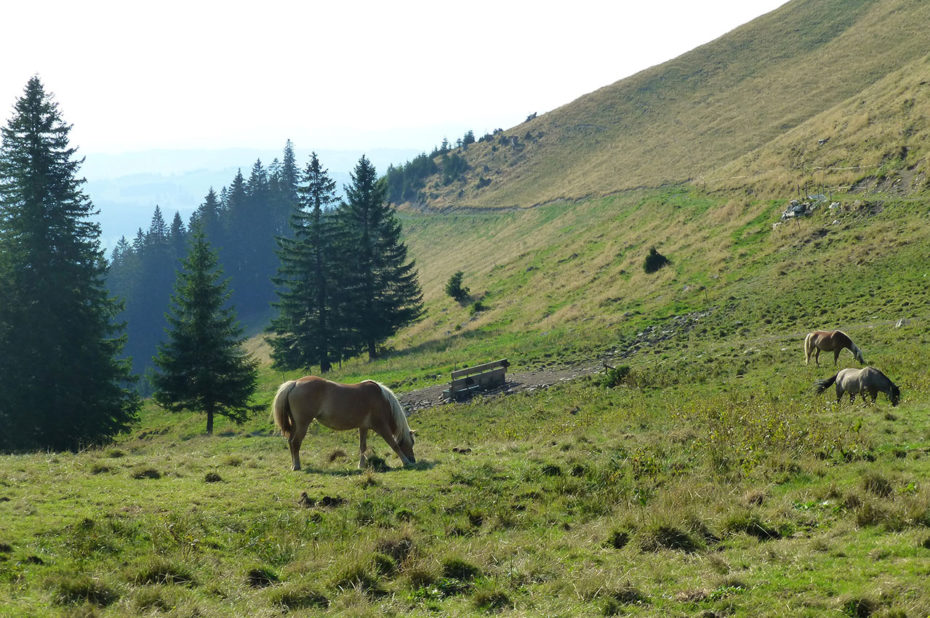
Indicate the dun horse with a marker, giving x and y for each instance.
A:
(867, 380)
(829, 341)
(363, 406)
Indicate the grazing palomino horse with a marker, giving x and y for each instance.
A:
(363, 406)
(829, 341)
(867, 380)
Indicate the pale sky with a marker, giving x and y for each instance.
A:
(343, 74)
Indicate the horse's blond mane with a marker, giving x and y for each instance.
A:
(400, 418)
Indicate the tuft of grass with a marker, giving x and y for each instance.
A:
(162, 571)
(261, 577)
(661, 537)
(492, 600)
(297, 597)
(73, 589)
(878, 485)
(618, 539)
(456, 568)
(146, 473)
(359, 578)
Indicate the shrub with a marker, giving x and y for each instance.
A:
(615, 376)
(455, 289)
(654, 261)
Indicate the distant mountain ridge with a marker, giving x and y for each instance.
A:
(712, 112)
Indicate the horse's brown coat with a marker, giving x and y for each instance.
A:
(829, 341)
(363, 406)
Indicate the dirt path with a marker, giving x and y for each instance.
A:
(529, 381)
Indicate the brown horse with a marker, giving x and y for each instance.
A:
(363, 406)
(829, 341)
(861, 381)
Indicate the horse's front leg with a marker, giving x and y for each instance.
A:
(362, 447)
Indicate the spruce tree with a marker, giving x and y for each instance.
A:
(62, 384)
(202, 366)
(305, 330)
(384, 292)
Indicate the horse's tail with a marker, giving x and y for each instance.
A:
(823, 385)
(808, 347)
(397, 411)
(281, 408)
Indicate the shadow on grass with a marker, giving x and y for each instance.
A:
(420, 465)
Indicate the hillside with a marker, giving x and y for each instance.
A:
(809, 69)
(710, 480)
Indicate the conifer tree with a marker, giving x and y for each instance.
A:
(384, 292)
(61, 382)
(306, 329)
(202, 366)
(209, 217)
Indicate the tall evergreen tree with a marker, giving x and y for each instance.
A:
(61, 382)
(385, 291)
(209, 216)
(202, 366)
(305, 331)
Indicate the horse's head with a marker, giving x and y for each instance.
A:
(859, 357)
(894, 394)
(406, 444)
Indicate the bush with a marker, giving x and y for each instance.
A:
(615, 376)
(654, 261)
(455, 289)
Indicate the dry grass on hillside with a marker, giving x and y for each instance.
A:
(682, 120)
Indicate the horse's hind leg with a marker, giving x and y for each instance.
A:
(362, 447)
(296, 437)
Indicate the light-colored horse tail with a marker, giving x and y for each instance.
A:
(397, 410)
(823, 385)
(808, 347)
(281, 409)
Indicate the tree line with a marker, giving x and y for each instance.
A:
(332, 279)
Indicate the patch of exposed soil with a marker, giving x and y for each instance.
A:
(533, 380)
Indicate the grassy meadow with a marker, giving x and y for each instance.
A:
(709, 480)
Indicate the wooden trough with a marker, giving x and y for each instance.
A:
(466, 382)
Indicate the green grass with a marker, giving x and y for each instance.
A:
(709, 478)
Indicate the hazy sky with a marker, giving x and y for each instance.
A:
(133, 76)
